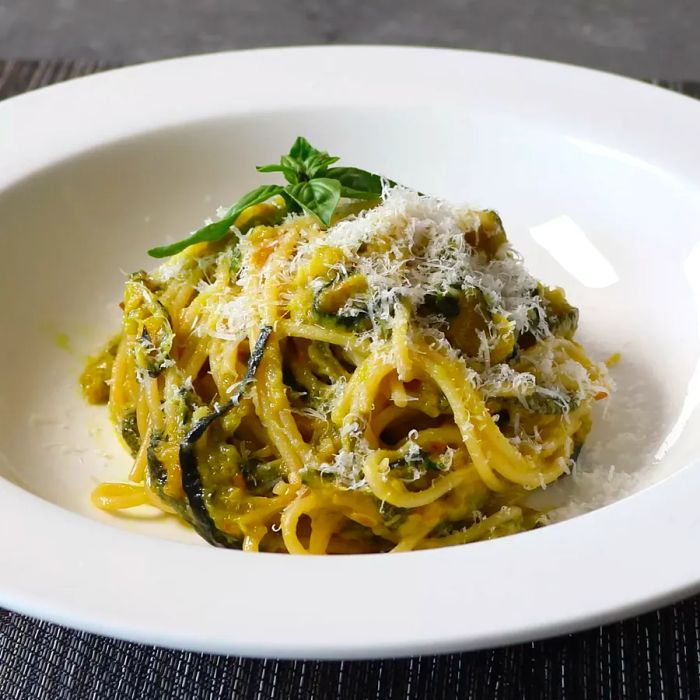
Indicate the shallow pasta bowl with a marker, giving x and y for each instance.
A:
(597, 179)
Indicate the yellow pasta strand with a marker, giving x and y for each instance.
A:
(351, 429)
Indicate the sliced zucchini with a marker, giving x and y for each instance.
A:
(490, 237)
(550, 405)
(148, 321)
(334, 295)
(470, 321)
(268, 213)
(95, 377)
(561, 317)
(470, 318)
(260, 477)
(192, 484)
(130, 432)
(325, 363)
(446, 305)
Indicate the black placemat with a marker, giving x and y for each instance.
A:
(652, 656)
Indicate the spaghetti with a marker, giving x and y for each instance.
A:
(393, 381)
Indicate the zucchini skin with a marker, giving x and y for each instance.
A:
(192, 485)
(576, 452)
(152, 348)
(158, 478)
(130, 432)
(336, 318)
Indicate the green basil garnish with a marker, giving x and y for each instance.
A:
(318, 197)
(218, 229)
(312, 186)
(356, 183)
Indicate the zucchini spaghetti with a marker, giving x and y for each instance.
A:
(377, 374)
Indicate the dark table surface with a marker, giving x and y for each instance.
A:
(634, 37)
(656, 655)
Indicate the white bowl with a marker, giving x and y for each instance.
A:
(597, 179)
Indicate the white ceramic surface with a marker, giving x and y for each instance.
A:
(597, 179)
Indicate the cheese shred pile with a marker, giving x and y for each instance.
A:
(394, 381)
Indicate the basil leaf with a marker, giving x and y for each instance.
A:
(292, 163)
(313, 187)
(218, 229)
(293, 170)
(301, 149)
(356, 183)
(304, 162)
(316, 165)
(318, 197)
(290, 175)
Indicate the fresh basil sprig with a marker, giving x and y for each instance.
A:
(318, 197)
(312, 186)
(218, 229)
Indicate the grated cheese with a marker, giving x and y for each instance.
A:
(420, 249)
(410, 247)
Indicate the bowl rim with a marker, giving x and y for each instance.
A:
(101, 579)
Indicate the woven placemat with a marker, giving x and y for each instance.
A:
(653, 656)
